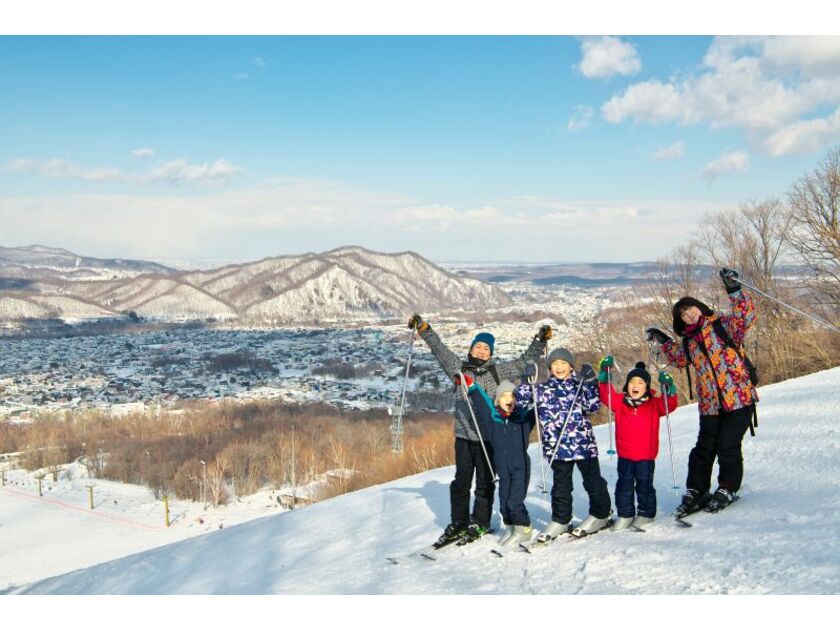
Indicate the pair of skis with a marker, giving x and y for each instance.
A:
(680, 518)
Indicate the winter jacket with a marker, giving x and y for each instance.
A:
(509, 435)
(636, 428)
(722, 375)
(554, 399)
(487, 375)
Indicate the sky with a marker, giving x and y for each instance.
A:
(460, 148)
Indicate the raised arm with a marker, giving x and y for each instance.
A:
(448, 360)
(514, 369)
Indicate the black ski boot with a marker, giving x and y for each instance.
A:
(473, 533)
(692, 502)
(720, 499)
(452, 534)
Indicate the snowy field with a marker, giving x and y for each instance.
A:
(781, 538)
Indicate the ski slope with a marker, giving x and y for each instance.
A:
(781, 537)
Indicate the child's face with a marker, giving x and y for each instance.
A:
(561, 369)
(691, 315)
(480, 351)
(636, 387)
(506, 402)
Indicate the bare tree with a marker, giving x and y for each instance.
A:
(815, 216)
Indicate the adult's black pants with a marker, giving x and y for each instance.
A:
(470, 462)
(720, 438)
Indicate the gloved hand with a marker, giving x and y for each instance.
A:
(530, 371)
(667, 382)
(416, 322)
(730, 280)
(467, 379)
(587, 373)
(654, 334)
(545, 333)
(604, 367)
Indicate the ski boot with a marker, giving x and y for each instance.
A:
(590, 525)
(692, 502)
(473, 532)
(641, 521)
(553, 530)
(624, 522)
(521, 535)
(452, 534)
(720, 499)
(503, 540)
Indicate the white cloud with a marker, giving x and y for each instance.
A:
(580, 119)
(174, 172)
(732, 162)
(805, 136)
(607, 56)
(671, 152)
(259, 62)
(143, 152)
(757, 84)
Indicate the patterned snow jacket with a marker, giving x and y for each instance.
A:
(554, 399)
(722, 375)
(636, 428)
(488, 375)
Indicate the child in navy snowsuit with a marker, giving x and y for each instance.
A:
(568, 398)
(507, 426)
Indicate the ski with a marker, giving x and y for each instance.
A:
(579, 534)
(680, 519)
(427, 552)
(497, 553)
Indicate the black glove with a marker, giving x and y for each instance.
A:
(530, 371)
(416, 322)
(654, 334)
(730, 280)
(587, 373)
(545, 333)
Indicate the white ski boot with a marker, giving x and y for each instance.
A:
(624, 522)
(503, 540)
(590, 525)
(521, 535)
(641, 521)
(553, 530)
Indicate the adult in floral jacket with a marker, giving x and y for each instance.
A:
(713, 344)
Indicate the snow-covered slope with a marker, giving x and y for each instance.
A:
(782, 537)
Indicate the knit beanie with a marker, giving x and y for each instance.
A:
(560, 354)
(639, 371)
(683, 304)
(485, 337)
(505, 387)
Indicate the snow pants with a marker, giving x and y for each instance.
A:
(469, 463)
(635, 478)
(594, 484)
(720, 437)
(514, 470)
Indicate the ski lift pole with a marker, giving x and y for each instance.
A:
(475, 424)
(563, 428)
(816, 320)
(539, 428)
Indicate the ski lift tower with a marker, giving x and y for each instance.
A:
(397, 422)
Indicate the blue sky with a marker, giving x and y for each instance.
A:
(459, 148)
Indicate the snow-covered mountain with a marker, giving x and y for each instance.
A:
(783, 536)
(345, 284)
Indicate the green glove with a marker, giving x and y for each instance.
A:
(604, 368)
(667, 382)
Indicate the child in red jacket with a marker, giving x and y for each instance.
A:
(637, 411)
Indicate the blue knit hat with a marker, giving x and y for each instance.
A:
(485, 337)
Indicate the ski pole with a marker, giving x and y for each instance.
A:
(397, 428)
(817, 320)
(475, 424)
(611, 450)
(539, 427)
(563, 428)
(654, 361)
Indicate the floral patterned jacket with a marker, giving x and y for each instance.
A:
(722, 376)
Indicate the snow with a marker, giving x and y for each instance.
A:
(780, 538)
